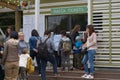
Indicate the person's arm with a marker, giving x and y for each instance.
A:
(60, 46)
(19, 49)
(94, 40)
(31, 44)
(39, 41)
(5, 53)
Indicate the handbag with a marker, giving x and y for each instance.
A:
(84, 51)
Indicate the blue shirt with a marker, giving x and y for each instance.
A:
(33, 42)
(21, 45)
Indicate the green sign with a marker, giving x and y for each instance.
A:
(69, 10)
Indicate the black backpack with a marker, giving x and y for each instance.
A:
(43, 50)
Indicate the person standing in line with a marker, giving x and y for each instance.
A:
(91, 46)
(22, 43)
(2, 74)
(23, 63)
(65, 50)
(10, 57)
(73, 34)
(77, 52)
(51, 56)
(56, 39)
(33, 42)
(7, 34)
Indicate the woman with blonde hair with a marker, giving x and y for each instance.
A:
(73, 34)
(22, 43)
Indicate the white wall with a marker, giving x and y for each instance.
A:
(29, 25)
(42, 25)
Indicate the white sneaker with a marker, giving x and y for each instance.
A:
(84, 76)
(89, 77)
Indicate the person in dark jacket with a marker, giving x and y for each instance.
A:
(7, 34)
(51, 56)
(33, 48)
(2, 74)
(73, 34)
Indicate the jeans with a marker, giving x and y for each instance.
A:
(89, 56)
(58, 59)
(33, 55)
(52, 60)
(2, 74)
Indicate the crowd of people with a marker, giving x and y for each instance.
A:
(56, 49)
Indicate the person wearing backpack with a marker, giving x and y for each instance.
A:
(33, 41)
(23, 64)
(48, 47)
(65, 50)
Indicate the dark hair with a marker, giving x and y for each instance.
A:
(6, 33)
(57, 30)
(34, 33)
(14, 35)
(76, 28)
(63, 32)
(91, 29)
(47, 32)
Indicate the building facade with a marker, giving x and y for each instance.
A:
(64, 14)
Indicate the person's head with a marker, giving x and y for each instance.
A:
(14, 35)
(57, 30)
(78, 38)
(90, 29)
(34, 33)
(76, 28)
(47, 33)
(24, 51)
(8, 31)
(21, 35)
(63, 33)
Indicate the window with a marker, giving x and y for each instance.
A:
(66, 22)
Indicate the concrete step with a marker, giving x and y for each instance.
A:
(76, 75)
(76, 78)
(97, 74)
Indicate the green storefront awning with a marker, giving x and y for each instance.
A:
(69, 10)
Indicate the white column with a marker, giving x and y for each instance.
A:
(89, 19)
(89, 12)
(37, 14)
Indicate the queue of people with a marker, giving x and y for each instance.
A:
(59, 48)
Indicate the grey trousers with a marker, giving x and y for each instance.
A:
(22, 73)
(65, 59)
